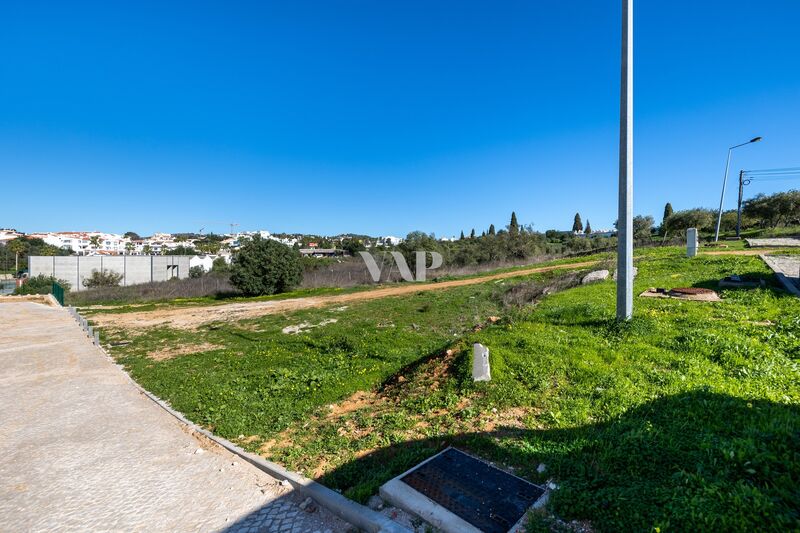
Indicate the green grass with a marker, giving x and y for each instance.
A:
(686, 418)
(260, 379)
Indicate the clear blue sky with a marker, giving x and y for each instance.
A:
(381, 117)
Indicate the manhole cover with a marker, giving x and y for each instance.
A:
(486, 497)
(692, 290)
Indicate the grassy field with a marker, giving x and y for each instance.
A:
(684, 419)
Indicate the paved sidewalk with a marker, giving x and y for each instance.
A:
(82, 450)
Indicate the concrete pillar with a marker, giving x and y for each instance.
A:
(691, 242)
(480, 363)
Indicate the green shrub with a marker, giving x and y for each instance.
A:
(264, 266)
(40, 284)
(196, 271)
(680, 221)
(220, 265)
(102, 278)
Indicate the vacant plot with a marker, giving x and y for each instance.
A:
(191, 316)
(684, 419)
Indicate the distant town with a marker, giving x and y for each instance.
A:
(92, 243)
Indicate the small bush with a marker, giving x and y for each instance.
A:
(196, 271)
(40, 284)
(220, 265)
(102, 278)
(264, 266)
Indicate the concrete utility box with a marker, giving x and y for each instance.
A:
(480, 363)
(691, 242)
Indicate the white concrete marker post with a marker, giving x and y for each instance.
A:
(691, 242)
(480, 363)
(625, 215)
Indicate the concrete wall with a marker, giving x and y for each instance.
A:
(135, 269)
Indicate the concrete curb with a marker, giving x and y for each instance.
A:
(787, 283)
(356, 514)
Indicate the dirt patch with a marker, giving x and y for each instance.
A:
(299, 328)
(281, 440)
(248, 440)
(513, 418)
(171, 352)
(696, 294)
(732, 252)
(192, 317)
(356, 401)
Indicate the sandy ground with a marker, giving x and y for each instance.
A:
(191, 317)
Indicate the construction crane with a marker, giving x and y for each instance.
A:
(231, 224)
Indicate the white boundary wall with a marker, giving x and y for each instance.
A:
(135, 269)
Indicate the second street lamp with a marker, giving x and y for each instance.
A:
(725, 182)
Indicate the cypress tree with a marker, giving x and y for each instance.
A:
(667, 212)
(491, 229)
(472, 234)
(462, 236)
(588, 230)
(577, 225)
(513, 227)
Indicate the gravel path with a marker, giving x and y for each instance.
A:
(81, 449)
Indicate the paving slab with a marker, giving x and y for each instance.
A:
(787, 270)
(782, 242)
(81, 449)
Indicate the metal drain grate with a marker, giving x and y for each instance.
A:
(485, 496)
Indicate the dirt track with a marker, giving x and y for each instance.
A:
(191, 317)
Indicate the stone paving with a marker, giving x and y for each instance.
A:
(783, 242)
(81, 449)
(789, 267)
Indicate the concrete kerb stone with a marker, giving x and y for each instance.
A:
(782, 278)
(356, 514)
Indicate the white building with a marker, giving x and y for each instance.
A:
(8, 234)
(390, 240)
(85, 242)
(205, 261)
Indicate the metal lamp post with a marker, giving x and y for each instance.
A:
(725, 182)
(625, 215)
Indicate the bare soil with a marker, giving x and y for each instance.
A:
(170, 351)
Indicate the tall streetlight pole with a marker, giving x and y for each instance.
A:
(725, 182)
(625, 215)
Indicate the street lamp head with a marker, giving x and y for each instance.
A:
(755, 140)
